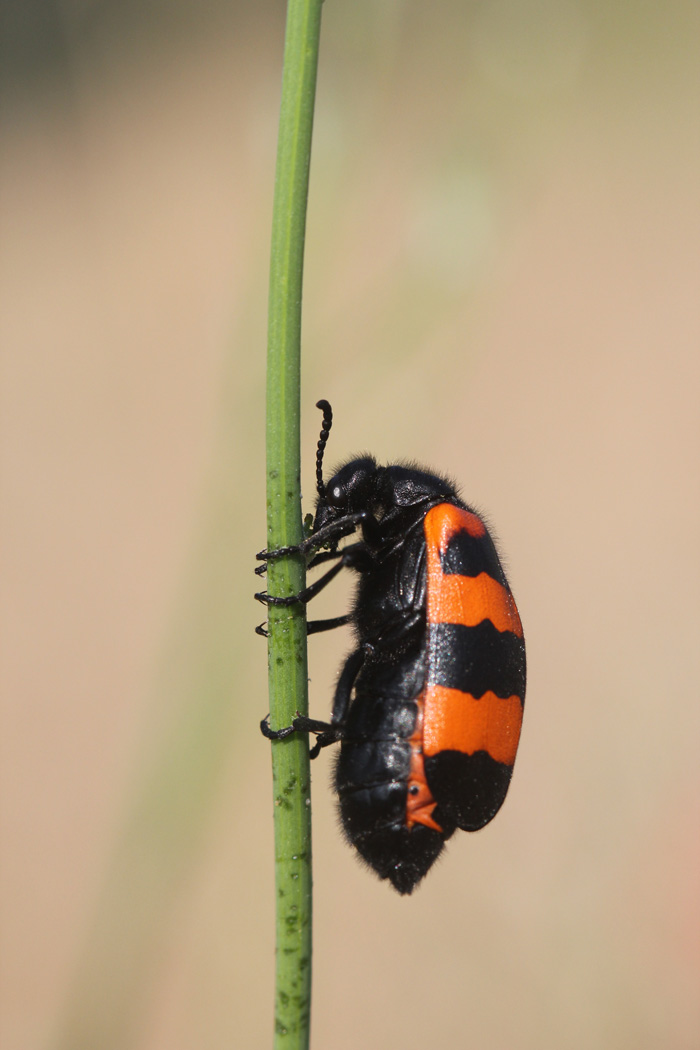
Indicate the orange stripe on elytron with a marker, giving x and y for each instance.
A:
(419, 800)
(443, 521)
(456, 721)
(469, 600)
(466, 600)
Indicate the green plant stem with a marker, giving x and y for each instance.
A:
(287, 626)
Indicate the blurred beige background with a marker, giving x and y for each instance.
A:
(502, 282)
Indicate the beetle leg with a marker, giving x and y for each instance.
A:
(343, 690)
(314, 626)
(325, 733)
(330, 533)
(303, 596)
(356, 555)
(317, 626)
(318, 559)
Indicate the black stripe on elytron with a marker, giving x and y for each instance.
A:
(476, 659)
(469, 789)
(470, 555)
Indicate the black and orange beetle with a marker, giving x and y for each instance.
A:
(428, 706)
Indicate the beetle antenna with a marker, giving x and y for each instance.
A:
(323, 439)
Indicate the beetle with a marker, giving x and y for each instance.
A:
(428, 705)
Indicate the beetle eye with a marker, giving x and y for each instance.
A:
(335, 496)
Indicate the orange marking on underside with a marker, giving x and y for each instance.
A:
(457, 721)
(466, 600)
(419, 800)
